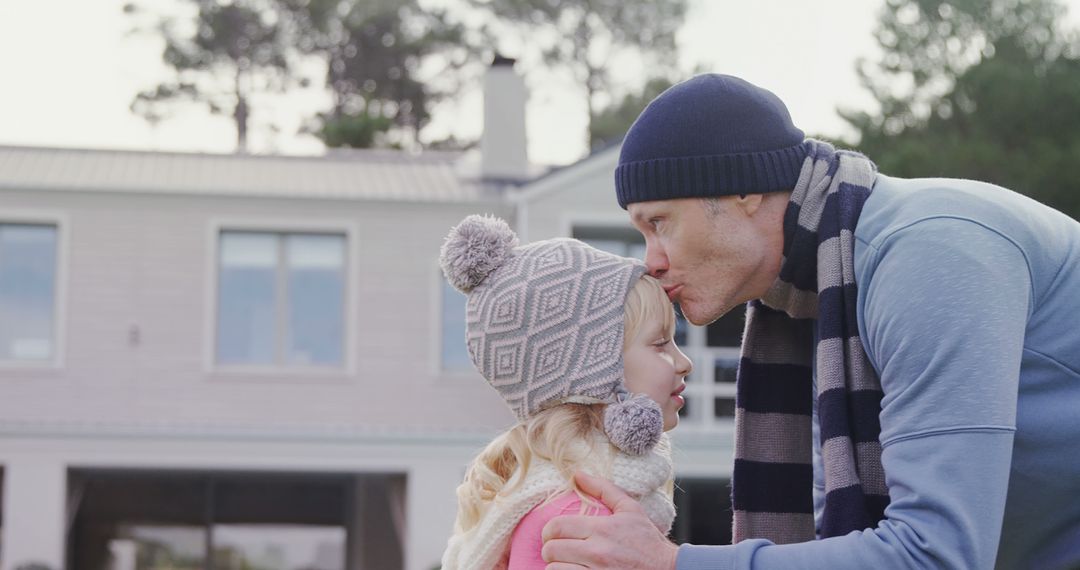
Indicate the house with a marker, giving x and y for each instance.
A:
(257, 357)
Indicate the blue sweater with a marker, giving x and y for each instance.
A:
(969, 308)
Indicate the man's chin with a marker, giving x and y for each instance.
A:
(691, 314)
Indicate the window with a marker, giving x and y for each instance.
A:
(710, 391)
(723, 339)
(28, 268)
(624, 241)
(281, 299)
(455, 354)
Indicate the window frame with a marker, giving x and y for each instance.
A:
(437, 367)
(280, 227)
(60, 221)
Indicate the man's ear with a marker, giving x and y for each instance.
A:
(749, 203)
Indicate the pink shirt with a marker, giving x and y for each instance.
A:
(527, 540)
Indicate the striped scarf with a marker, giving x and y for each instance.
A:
(773, 476)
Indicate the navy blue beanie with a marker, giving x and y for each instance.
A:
(711, 135)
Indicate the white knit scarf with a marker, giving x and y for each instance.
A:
(643, 477)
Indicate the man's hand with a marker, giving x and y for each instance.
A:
(626, 540)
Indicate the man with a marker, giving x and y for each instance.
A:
(909, 391)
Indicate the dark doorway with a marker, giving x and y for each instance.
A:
(151, 520)
(704, 511)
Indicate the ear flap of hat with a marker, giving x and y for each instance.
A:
(634, 424)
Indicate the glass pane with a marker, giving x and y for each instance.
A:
(728, 329)
(620, 240)
(278, 547)
(27, 291)
(455, 355)
(157, 548)
(723, 407)
(725, 370)
(247, 292)
(316, 285)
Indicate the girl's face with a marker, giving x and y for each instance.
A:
(655, 366)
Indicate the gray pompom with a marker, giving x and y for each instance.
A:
(635, 424)
(475, 247)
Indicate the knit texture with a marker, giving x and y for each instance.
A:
(773, 475)
(643, 477)
(711, 135)
(544, 324)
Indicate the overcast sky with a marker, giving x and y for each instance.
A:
(69, 68)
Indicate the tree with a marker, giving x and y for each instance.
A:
(374, 51)
(927, 44)
(584, 35)
(222, 55)
(611, 124)
(982, 82)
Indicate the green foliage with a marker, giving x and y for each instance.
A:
(374, 50)
(584, 35)
(1001, 115)
(356, 131)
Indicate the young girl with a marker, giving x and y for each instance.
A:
(579, 344)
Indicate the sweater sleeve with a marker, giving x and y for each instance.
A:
(527, 541)
(945, 304)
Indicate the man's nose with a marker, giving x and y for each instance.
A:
(656, 261)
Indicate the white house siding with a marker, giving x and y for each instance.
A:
(136, 388)
(142, 264)
(583, 192)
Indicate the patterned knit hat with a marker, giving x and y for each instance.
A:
(711, 135)
(544, 324)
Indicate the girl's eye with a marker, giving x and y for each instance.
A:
(662, 343)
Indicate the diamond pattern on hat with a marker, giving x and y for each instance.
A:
(600, 287)
(548, 324)
(598, 344)
(505, 363)
(555, 302)
(508, 310)
(549, 358)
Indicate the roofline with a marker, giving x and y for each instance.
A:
(550, 181)
(218, 194)
(337, 154)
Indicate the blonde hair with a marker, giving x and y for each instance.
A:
(647, 301)
(503, 465)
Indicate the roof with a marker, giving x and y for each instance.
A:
(340, 174)
(603, 159)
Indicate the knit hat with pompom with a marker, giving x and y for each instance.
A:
(544, 324)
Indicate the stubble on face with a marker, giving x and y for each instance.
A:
(736, 258)
(714, 268)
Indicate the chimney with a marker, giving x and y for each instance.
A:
(502, 146)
